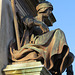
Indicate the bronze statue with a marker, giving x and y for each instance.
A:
(40, 44)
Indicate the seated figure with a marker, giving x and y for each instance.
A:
(49, 47)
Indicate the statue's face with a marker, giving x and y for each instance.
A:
(48, 17)
(46, 12)
(49, 11)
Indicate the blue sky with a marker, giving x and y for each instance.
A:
(64, 11)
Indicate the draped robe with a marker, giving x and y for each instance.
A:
(50, 48)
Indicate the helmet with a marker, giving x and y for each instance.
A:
(43, 6)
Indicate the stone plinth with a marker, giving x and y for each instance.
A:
(31, 68)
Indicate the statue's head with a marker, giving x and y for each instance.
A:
(45, 8)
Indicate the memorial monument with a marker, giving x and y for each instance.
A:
(35, 49)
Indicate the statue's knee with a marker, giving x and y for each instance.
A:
(59, 33)
(58, 30)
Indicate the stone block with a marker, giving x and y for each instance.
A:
(30, 68)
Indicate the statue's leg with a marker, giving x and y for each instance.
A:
(58, 57)
(57, 50)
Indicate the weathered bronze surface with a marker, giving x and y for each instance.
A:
(37, 42)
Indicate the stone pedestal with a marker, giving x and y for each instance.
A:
(30, 68)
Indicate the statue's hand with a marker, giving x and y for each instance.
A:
(42, 25)
(28, 22)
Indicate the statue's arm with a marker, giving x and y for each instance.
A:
(30, 22)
